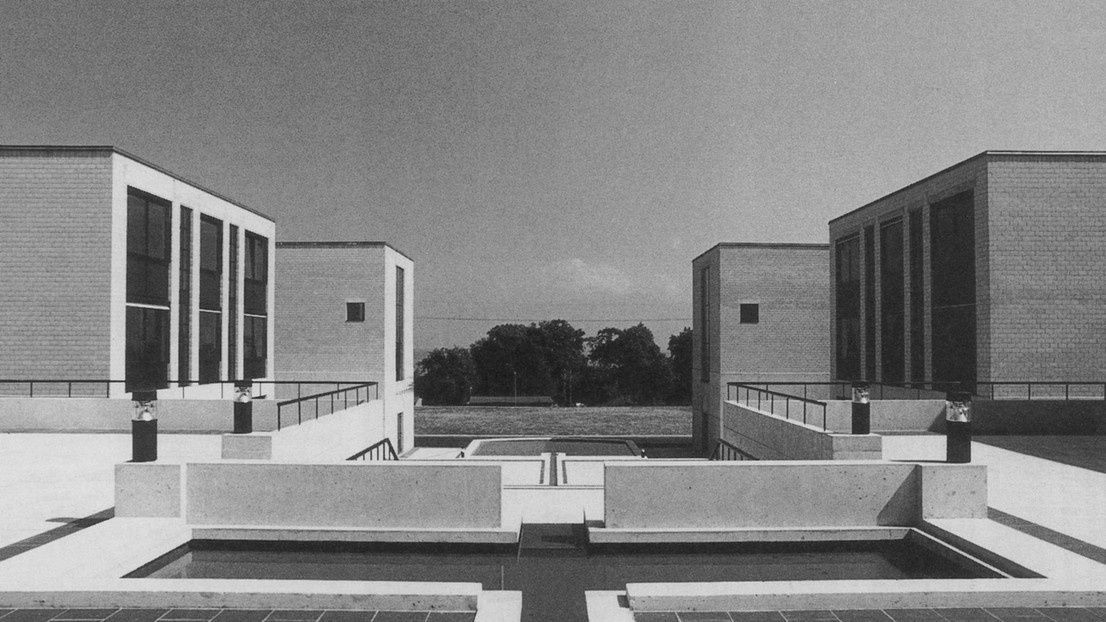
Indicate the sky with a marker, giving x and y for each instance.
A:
(550, 159)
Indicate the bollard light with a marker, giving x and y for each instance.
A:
(144, 426)
(862, 409)
(243, 406)
(958, 427)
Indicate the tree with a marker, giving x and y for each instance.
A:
(562, 347)
(445, 377)
(631, 365)
(509, 361)
(679, 361)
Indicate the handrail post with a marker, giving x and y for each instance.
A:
(32, 388)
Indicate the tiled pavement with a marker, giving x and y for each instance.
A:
(228, 615)
(1011, 614)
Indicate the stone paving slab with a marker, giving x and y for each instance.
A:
(1001, 614)
(230, 615)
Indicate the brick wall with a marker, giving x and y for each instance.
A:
(791, 340)
(1048, 267)
(55, 263)
(313, 338)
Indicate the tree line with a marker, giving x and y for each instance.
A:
(552, 358)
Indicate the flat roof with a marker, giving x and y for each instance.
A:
(984, 154)
(779, 245)
(113, 149)
(334, 244)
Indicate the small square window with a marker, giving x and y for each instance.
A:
(355, 312)
(749, 313)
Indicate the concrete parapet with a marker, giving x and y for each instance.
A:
(101, 414)
(680, 495)
(772, 437)
(354, 495)
(147, 489)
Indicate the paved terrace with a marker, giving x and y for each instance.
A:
(56, 484)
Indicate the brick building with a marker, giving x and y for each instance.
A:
(993, 269)
(760, 313)
(346, 313)
(113, 268)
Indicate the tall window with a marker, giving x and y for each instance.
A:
(892, 302)
(184, 342)
(952, 276)
(255, 342)
(399, 323)
(211, 277)
(917, 300)
(149, 230)
(232, 312)
(869, 303)
(148, 234)
(704, 322)
(847, 291)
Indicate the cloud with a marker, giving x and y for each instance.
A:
(579, 276)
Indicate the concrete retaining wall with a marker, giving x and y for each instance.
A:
(1074, 417)
(326, 439)
(80, 414)
(743, 495)
(769, 437)
(890, 415)
(352, 495)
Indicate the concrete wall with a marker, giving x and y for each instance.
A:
(332, 438)
(401, 495)
(890, 415)
(768, 437)
(114, 415)
(1075, 417)
(740, 495)
(790, 341)
(55, 264)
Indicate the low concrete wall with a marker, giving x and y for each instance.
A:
(78, 414)
(744, 495)
(890, 415)
(1072, 417)
(771, 437)
(331, 438)
(398, 495)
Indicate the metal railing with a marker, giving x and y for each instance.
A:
(380, 450)
(767, 400)
(842, 389)
(1041, 390)
(726, 451)
(326, 403)
(53, 387)
(220, 389)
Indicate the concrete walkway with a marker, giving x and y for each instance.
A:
(1063, 498)
(48, 481)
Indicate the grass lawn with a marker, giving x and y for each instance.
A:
(622, 420)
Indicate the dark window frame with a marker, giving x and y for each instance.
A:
(748, 313)
(148, 268)
(847, 306)
(704, 320)
(401, 359)
(355, 312)
(184, 322)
